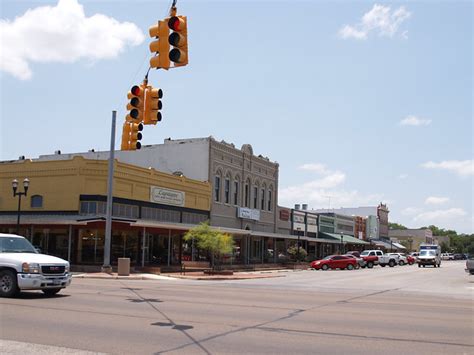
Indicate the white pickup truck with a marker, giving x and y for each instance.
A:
(23, 268)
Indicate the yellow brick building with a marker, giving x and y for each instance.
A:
(64, 211)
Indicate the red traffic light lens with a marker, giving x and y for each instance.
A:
(174, 23)
(135, 90)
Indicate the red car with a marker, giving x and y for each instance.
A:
(334, 262)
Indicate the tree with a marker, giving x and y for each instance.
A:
(293, 252)
(396, 226)
(214, 242)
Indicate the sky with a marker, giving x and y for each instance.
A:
(359, 102)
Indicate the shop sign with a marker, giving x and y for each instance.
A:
(166, 196)
(248, 213)
(284, 215)
(298, 218)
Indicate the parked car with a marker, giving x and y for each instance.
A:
(444, 256)
(389, 259)
(334, 262)
(402, 259)
(371, 257)
(360, 262)
(411, 260)
(458, 256)
(354, 252)
(470, 265)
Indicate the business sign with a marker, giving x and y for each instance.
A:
(248, 213)
(284, 215)
(166, 196)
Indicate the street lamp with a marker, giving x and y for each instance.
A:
(342, 243)
(26, 184)
(298, 246)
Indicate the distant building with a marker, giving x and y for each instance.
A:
(412, 238)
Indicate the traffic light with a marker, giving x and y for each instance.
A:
(178, 39)
(125, 136)
(135, 136)
(153, 105)
(136, 105)
(161, 46)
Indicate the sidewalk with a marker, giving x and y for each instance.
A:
(188, 275)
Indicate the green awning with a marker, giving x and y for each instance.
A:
(346, 239)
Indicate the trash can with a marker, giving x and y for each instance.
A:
(123, 267)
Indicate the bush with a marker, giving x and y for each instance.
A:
(293, 252)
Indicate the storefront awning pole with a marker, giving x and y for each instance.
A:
(169, 246)
(106, 267)
(69, 244)
(143, 246)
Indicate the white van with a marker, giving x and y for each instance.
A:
(430, 254)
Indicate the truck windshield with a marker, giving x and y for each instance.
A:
(16, 245)
(427, 252)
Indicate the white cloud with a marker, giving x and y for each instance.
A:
(316, 167)
(415, 121)
(463, 168)
(380, 20)
(433, 200)
(317, 192)
(410, 211)
(440, 216)
(402, 176)
(63, 34)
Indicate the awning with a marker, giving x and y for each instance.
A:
(382, 243)
(398, 246)
(346, 239)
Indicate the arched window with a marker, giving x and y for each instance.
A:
(217, 187)
(36, 201)
(236, 191)
(227, 189)
(247, 193)
(262, 197)
(255, 196)
(270, 198)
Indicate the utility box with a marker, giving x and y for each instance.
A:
(123, 268)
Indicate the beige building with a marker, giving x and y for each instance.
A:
(411, 238)
(64, 211)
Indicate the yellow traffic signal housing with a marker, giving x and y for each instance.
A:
(125, 136)
(153, 105)
(161, 46)
(135, 136)
(178, 39)
(136, 105)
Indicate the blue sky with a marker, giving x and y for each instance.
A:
(360, 102)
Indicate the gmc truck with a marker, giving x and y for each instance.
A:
(23, 268)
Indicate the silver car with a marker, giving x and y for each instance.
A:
(470, 264)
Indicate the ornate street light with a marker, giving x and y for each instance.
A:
(26, 184)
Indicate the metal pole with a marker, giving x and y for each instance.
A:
(69, 244)
(169, 246)
(108, 223)
(143, 247)
(18, 216)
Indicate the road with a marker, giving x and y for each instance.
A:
(401, 310)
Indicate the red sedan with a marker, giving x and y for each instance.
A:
(334, 262)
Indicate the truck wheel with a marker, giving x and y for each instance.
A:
(350, 267)
(382, 265)
(424, 265)
(51, 291)
(324, 267)
(392, 263)
(401, 263)
(370, 264)
(419, 265)
(8, 283)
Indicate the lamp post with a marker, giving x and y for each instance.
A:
(342, 243)
(26, 184)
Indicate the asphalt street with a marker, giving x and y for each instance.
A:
(401, 310)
